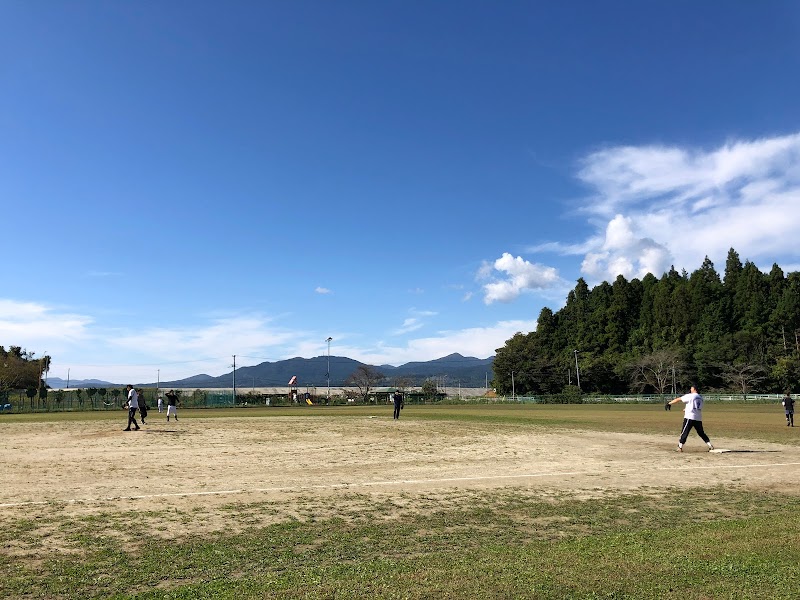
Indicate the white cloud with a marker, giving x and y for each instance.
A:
(415, 322)
(480, 342)
(409, 325)
(668, 205)
(243, 335)
(623, 253)
(83, 349)
(33, 325)
(322, 290)
(519, 276)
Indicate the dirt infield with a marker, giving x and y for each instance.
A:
(195, 472)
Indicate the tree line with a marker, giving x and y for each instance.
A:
(738, 333)
(19, 369)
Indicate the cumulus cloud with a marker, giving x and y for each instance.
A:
(660, 205)
(623, 253)
(513, 276)
(322, 290)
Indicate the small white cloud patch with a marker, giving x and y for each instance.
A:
(519, 276)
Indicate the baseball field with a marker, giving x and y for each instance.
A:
(489, 501)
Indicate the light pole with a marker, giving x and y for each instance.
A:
(328, 375)
(577, 370)
(513, 389)
(234, 380)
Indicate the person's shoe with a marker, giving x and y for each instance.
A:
(128, 429)
(176, 418)
(678, 449)
(710, 447)
(137, 429)
(167, 419)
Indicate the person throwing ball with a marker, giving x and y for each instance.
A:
(172, 405)
(692, 417)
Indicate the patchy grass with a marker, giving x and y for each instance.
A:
(668, 543)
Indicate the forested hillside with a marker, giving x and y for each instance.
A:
(737, 333)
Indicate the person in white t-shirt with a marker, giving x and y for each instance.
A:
(692, 417)
(133, 406)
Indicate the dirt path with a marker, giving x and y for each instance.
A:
(297, 464)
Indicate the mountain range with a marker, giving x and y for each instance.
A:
(451, 370)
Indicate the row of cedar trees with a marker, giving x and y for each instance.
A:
(739, 333)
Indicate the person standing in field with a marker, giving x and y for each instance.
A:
(143, 408)
(133, 405)
(398, 403)
(172, 405)
(160, 403)
(692, 417)
(788, 408)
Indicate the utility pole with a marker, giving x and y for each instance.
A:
(513, 389)
(234, 380)
(577, 370)
(673, 379)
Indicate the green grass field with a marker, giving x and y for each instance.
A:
(722, 542)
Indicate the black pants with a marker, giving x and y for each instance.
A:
(687, 427)
(396, 410)
(132, 418)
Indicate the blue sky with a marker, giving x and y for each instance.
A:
(185, 181)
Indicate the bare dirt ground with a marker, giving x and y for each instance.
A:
(202, 474)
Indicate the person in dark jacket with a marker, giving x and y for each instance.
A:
(788, 409)
(398, 403)
(143, 408)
